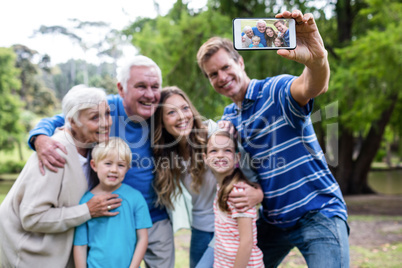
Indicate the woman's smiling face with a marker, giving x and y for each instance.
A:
(177, 116)
(269, 32)
(94, 124)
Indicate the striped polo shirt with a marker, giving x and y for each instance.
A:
(279, 137)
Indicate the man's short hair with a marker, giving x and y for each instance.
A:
(280, 21)
(211, 46)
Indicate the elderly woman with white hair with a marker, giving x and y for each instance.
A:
(246, 38)
(40, 212)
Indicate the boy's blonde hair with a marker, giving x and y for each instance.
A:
(115, 146)
(256, 38)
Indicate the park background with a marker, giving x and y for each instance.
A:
(357, 121)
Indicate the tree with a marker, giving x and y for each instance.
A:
(33, 93)
(66, 75)
(9, 103)
(365, 81)
(108, 42)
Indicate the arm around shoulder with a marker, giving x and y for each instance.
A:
(46, 127)
(39, 140)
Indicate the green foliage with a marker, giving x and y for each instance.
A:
(66, 75)
(173, 41)
(9, 103)
(27, 119)
(106, 82)
(365, 80)
(263, 9)
(11, 167)
(33, 92)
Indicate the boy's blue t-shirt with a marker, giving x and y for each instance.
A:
(259, 45)
(112, 240)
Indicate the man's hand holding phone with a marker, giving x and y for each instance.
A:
(310, 49)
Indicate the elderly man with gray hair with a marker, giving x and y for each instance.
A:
(259, 31)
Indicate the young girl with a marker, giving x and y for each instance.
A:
(279, 42)
(235, 232)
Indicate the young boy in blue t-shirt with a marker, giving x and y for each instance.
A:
(121, 240)
(255, 42)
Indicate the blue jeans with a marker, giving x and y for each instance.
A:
(323, 241)
(207, 260)
(198, 245)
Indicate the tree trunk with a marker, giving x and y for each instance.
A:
(343, 171)
(369, 150)
(20, 150)
(345, 20)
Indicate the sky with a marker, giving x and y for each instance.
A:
(20, 18)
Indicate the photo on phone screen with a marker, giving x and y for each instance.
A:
(264, 33)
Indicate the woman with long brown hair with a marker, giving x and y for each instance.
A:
(179, 142)
(270, 36)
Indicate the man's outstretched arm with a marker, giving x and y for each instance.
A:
(310, 52)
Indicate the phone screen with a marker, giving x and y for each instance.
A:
(264, 33)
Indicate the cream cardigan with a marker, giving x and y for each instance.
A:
(38, 215)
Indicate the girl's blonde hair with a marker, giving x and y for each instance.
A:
(169, 168)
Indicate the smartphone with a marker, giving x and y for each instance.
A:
(264, 33)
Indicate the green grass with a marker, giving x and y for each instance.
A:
(385, 256)
(182, 247)
(369, 218)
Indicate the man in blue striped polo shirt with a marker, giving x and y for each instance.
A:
(303, 205)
